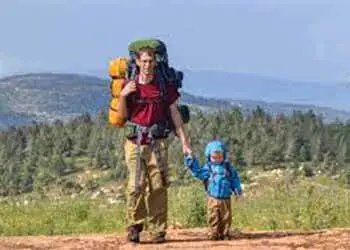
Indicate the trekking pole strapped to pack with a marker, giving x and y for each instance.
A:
(139, 134)
(151, 134)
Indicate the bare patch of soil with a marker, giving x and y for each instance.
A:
(187, 239)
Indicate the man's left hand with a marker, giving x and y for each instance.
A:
(186, 149)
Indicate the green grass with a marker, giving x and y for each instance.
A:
(60, 217)
(302, 207)
(299, 206)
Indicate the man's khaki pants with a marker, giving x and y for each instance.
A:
(219, 216)
(152, 200)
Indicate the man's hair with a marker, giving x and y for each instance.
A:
(148, 50)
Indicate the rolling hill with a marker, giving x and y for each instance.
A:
(241, 86)
(45, 97)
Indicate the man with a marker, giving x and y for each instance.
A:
(146, 157)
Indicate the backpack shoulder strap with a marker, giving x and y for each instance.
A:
(162, 81)
(210, 167)
(210, 172)
(228, 170)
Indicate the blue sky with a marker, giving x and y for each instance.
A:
(296, 40)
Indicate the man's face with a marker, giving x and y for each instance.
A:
(146, 63)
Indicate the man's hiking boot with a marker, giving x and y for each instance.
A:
(134, 233)
(159, 238)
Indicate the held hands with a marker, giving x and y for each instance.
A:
(189, 156)
(188, 160)
(186, 149)
(128, 89)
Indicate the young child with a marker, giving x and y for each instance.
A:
(221, 179)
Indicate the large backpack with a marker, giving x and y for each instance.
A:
(122, 68)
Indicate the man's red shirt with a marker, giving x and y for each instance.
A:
(149, 113)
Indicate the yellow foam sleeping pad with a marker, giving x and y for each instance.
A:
(117, 71)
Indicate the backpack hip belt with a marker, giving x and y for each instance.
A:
(156, 131)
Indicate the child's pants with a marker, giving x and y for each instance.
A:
(219, 216)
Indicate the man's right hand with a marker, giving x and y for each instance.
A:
(129, 88)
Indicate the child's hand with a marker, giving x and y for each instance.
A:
(188, 160)
(238, 192)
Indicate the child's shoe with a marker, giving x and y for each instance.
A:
(159, 238)
(213, 237)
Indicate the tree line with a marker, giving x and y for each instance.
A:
(38, 154)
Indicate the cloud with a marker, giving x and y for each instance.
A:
(6, 65)
(11, 65)
(329, 42)
(330, 38)
(2, 68)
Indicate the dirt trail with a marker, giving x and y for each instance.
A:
(188, 239)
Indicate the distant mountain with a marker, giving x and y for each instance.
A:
(251, 87)
(45, 97)
(244, 86)
(274, 108)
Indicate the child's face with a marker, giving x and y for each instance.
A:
(217, 157)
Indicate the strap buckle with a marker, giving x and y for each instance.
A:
(153, 132)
